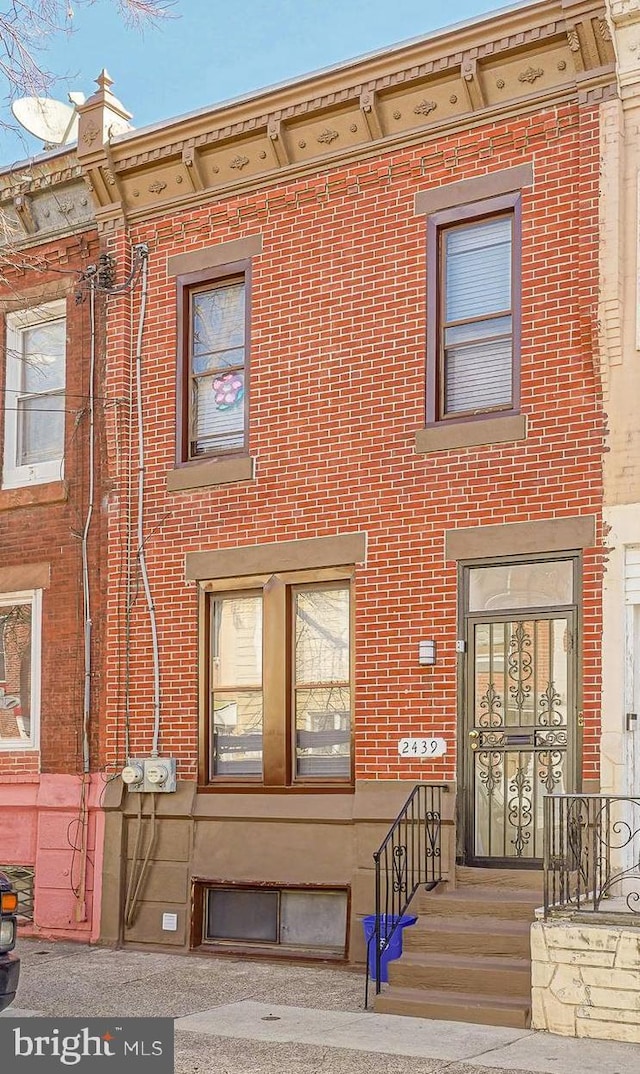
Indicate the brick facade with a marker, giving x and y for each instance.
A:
(322, 186)
(337, 375)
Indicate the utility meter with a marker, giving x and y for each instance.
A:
(159, 774)
(133, 775)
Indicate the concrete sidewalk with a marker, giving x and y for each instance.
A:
(236, 1016)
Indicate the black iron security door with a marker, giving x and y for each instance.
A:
(519, 728)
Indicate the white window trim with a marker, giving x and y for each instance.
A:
(33, 597)
(36, 473)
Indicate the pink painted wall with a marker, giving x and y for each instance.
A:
(39, 826)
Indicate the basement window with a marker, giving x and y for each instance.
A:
(289, 920)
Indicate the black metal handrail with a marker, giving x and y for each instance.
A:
(591, 853)
(409, 857)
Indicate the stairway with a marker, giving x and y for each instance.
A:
(467, 958)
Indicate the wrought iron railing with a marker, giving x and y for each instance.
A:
(591, 853)
(408, 858)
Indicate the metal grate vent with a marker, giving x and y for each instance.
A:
(21, 876)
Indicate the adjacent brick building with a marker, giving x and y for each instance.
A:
(50, 836)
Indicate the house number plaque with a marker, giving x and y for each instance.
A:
(422, 747)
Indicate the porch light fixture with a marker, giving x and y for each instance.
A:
(427, 653)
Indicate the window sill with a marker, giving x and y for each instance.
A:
(266, 951)
(33, 495)
(213, 472)
(463, 434)
(263, 788)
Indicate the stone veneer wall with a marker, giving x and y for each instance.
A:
(586, 979)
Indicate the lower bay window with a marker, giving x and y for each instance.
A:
(277, 692)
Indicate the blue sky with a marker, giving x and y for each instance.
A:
(210, 51)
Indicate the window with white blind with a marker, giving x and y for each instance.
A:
(278, 669)
(34, 403)
(213, 364)
(474, 310)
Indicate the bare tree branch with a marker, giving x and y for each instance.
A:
(28, 26)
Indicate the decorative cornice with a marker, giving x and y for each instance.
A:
(30, 176)
(534, 56)
(327, 136)
(530, 74)
(424, 108)
(43, 200)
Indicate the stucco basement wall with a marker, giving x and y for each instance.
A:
(586, 980)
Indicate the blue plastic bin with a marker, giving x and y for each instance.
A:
(394, 950)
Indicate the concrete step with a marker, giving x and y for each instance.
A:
(502, 903)
(522, 879)
(467, 958)
(455, 1007)
(485, 975)
(469, 935)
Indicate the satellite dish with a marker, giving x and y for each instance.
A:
(52, 121)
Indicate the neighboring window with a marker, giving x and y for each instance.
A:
(213, 366)
(34, 395)
(279, 682)
(19, 669)
(473, 310)
(299, 919)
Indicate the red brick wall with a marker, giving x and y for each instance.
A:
(336, 395)
(41, 531)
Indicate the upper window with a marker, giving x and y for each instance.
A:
(19, 669)
(213, 365)
(34, 395)
(279, 682)
(473, 310)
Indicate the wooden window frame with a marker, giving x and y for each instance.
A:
(437, 224)
(186, 286)
(278, 735)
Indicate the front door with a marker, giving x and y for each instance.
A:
(519, 726)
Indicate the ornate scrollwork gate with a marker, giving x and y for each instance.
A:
(520, 730)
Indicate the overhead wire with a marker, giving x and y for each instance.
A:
(86, 587)
(81, 905)
(135, 885)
